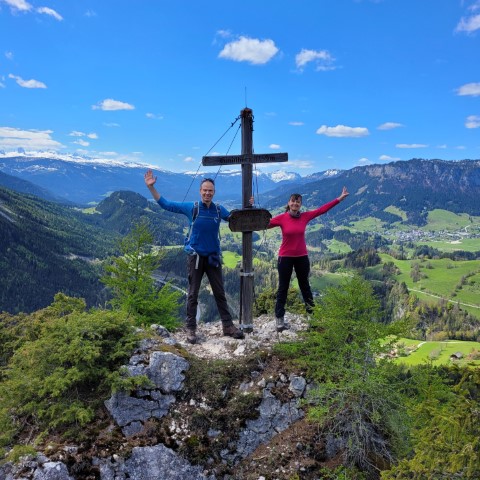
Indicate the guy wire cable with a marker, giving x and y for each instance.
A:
(196, 173)
(211, 148)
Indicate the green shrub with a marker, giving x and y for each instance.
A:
(60, 377)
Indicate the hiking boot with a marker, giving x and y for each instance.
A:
(281, 325)
(191, 335)
(233, 331)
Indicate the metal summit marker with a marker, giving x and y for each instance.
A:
(250, 216)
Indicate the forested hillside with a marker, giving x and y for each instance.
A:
(415, 186)
(47, 247)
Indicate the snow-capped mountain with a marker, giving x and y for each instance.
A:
(85, 180)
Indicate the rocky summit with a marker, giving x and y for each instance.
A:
(219, 409)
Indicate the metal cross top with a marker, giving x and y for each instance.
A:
(246, 159)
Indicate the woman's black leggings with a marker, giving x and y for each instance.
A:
(285, 266)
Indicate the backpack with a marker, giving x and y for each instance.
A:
(195, 212)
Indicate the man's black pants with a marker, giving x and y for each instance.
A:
(215, 278)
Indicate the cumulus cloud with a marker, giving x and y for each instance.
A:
(343, 131)
(188, 159)
(473, 121)
(387, 158)
(18, 5)
(82, 142)
(363, 161)
(468, 24)
(51, 12)
(251, 50)
(24, 6)
(76, 133)
(154, 116)
(28, 139)
(27, 83)
(296, 124)
(411, 145)
(389, 126)
(109, 104)
(322, 59)
(274, 146)
(9, 55)
(472, 89)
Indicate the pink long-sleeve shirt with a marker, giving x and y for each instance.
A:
(293, 229)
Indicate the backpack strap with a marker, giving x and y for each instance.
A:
(195, 211)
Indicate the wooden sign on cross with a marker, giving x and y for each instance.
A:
(246, 160)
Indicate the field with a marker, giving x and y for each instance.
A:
(439, 353)
(456, 281)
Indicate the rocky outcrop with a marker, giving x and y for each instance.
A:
(165, 372)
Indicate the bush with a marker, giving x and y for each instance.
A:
(60, 377)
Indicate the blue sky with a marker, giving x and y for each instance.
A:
(334, 83)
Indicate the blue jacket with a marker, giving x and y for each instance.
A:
(204, 238)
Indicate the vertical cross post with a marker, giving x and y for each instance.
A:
(247, 263)
(246, 159)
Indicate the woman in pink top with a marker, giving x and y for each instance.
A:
(293, 251)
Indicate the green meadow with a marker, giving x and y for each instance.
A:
(438, 353)
(456, 281)
(440, 220)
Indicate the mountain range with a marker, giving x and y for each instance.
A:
(84, 180)
(48, 242)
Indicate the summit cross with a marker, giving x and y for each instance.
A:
(246, 159)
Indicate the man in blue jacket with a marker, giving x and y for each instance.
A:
(203, 248)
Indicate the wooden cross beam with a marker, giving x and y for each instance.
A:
(246, 159)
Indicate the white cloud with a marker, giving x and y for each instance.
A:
(2, 85)
(363, 161)
(51, 12)
(24, 6)
(296, 124)
(9, 55)
(468, 24)
(110, 104)
(444, 146)
(82, 143)
(90, 13)
(473, 121)
(27, 83)
(343, 131)
(154, 116)
(75, 133)
(389, 126)
(252, 50)
(472, 89)
(111, 124)
(387, 158)
(29, 139)
(274, 146)
(411, 145)
(109, 154)
(461, 147)
(322, 59)
(18, 5)
(188, 159)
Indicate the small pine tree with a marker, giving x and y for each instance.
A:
(130, 278)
